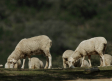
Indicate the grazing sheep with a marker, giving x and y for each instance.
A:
(31, 46)
(35, 63)
(96, 45)
(78, 63)
(17, 65)
(108, 60)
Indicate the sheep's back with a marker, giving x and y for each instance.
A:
(67, 53)
(34, 44)
(35, 62)
(108, 58)
(41, 64)
(92, 44)
(86, 64)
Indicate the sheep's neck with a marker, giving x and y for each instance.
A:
(16, 54)
(77, 55)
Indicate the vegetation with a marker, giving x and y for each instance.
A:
(66, 22)
(55, 74)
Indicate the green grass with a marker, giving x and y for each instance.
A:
(55, 74)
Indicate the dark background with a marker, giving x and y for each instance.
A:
(66, 22)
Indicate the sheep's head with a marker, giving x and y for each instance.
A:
(71, 62)
(12, 62)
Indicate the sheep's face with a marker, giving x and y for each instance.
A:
(70, 62)
(12, 62)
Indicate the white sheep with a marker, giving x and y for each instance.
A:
(108, 60)
(31, 46)
(17, 65)
(78, 63)
(35, 63)
(96, 45)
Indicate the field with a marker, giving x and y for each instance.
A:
(78, 74)
(66, 23)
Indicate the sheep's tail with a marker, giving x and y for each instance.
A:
(50, 43)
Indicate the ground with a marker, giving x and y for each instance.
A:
(78, 74)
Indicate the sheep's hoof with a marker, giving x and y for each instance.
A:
(83, 66)
(50, 67)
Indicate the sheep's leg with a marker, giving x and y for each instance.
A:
(101, 62)
(23, 64)
(29, 62)
(64, 63)
(50, 63)
(101, 51)
(29, 58)
(49, 59)
(83, 61)
(102, 58)
(89, 59)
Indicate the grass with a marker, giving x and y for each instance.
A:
(55, 74)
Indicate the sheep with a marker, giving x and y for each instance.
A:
(31, 46)
(67, 54)
(17, 65)
(108, 60)
(96, 45)
(35, 63)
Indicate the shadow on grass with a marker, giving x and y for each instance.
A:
(54, 74)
